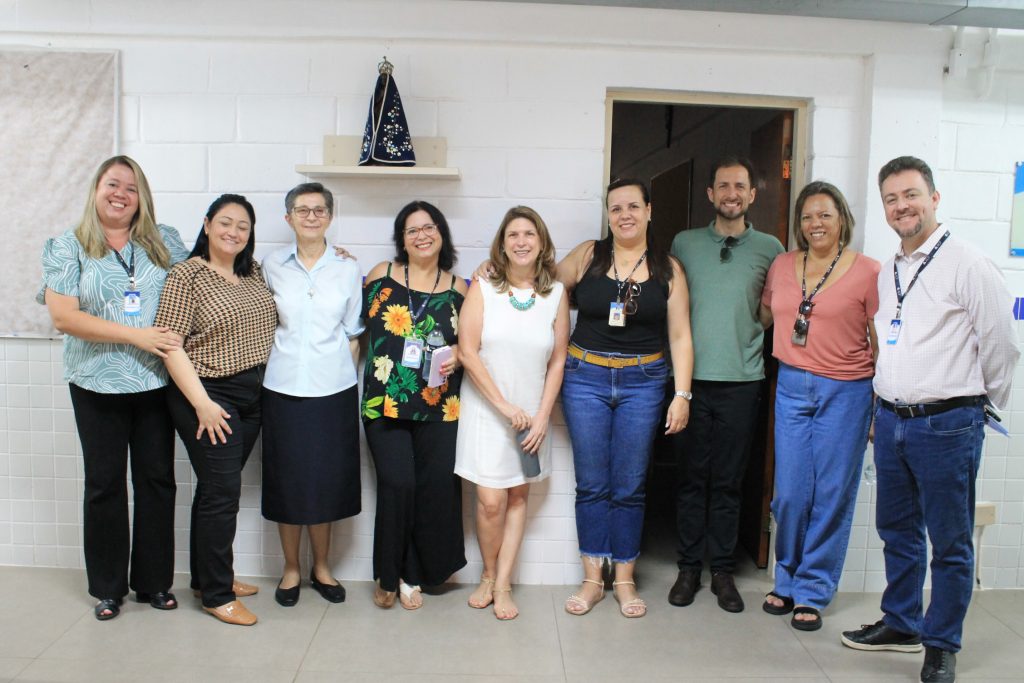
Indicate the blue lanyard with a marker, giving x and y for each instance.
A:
(900, 294)
(423, 306)
(130, 269)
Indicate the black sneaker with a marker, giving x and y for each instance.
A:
(878, 636)
(939, 666)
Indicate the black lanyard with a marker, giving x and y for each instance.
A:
(615, 271)
(900, 294)
(423, 306)
(128, 268)
(803, 277)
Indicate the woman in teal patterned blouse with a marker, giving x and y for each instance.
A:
(101, 284)
(411, 305)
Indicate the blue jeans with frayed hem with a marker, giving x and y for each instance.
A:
(612, 414)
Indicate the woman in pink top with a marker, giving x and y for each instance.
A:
(822, 298)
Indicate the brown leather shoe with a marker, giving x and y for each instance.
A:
(686, 586)
(233, 612)
(723, 585)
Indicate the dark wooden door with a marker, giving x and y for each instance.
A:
(671, 192)
(771, 151)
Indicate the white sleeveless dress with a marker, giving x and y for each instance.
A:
(515, 347)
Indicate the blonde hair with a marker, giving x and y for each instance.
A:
(544, 270)
(143, 230)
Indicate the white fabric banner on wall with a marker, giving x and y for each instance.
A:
(59, 114)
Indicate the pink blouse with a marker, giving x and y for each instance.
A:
(837, 339)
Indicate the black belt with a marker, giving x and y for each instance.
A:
(922, 409)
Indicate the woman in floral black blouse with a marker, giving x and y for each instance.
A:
(411, 306)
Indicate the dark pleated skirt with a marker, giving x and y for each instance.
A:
(310, 457)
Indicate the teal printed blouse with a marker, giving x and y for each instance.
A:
(99, 285)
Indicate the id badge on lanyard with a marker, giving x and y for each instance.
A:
(132, 302)
(412, 353)
(617, 314)
(894, 332)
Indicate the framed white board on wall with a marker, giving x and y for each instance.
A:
(59, 121)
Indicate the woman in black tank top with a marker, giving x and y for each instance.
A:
(633, 302)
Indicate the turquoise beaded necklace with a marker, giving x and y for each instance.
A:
(521, 305)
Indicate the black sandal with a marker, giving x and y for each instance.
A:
(806, 624)
(161, 600)
(112, 605)
(777, 610)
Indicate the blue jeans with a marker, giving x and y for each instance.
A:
(821, 431)
(926, 469)
(611, 414)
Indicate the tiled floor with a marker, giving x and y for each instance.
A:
(48, 633)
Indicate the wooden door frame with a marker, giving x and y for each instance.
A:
(801, 134)
(799, 106)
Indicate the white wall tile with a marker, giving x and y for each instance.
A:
(286, 119)
(259, 69)
(188, 118)
(255, 168)
(164, 67)
(171, 168)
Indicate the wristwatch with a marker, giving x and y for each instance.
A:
(685, 394)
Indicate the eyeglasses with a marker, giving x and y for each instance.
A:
(304, 211)
(632, 294)
(725, 255)
(429, 230)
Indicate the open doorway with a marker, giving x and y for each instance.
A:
(670, 140)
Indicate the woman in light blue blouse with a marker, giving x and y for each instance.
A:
(101, 284)
(310, 397)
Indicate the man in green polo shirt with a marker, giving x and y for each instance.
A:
(725, 265)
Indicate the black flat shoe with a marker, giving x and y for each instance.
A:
(112, 605)
(161, 600)
(330, 593)
(287, 597)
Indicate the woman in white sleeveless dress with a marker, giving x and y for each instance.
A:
(513, 336)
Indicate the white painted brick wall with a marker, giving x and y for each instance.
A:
(188, 118)
(234, 102)
(285, 119)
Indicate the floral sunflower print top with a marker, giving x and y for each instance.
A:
(389, 388)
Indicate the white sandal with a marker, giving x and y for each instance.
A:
(636, 603)
(582, 605)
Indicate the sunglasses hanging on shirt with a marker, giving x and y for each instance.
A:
(803, 324)
(619, 309)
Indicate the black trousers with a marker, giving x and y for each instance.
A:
(113, 427)
(417, 535)
(218, 468)
(712, 455)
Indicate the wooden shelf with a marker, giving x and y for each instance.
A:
(408, 172)
(342, 150)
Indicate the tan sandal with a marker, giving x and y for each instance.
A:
(504, 616)
(490, 594)
(636, 603)
(411, 597)
(382, 598)
(577, 606)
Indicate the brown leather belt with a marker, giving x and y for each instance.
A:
(923, 409)
(606, 361)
